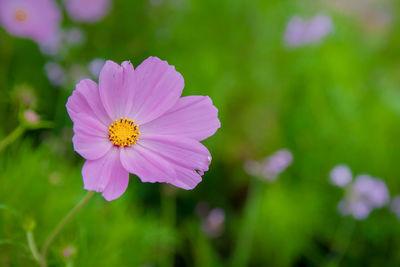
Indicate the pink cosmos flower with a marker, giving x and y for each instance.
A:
(135, 121)
(87, 10)
(38, 20)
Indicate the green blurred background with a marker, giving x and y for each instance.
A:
(335, 101)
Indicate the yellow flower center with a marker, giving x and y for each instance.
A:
(20, 15)
(123, 132)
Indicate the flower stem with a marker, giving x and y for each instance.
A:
(64, 222)
(168, 207)
(33, 248)
(340, 245)
(12, 137)
(252, 208)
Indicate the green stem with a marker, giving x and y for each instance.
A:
(245, 238)
(12, 137)
(346, 229)
(64, 222)
(33, 248)
(168, 207)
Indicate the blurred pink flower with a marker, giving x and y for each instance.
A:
(135, 121)
(38, 20)
(68, 251)
(31, 116)
(302, 32)
(87, 10)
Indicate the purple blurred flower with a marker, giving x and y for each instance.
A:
(213, 225)
(302, 32)
(276, 164)
(365, 195)
(95, 66)
(341, 175)
(53, 46)
(60, 42)
(38, 20)
(87, 10)
(374, 190)
(55, 73)
(271, 166)
(395, 206)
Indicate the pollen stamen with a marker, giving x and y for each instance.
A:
(123, 132)
(20, 15)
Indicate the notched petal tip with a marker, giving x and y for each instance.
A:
(158, 61)
(127, 65)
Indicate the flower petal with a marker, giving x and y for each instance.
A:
(118, 184)
(147, 165)
(89, 126)
(90, 137)
(184, 152)
(85, 100)
(159, 86)
(91, 147)
(185, 178)
(117, 88)
(192, 116)
(106, 175)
